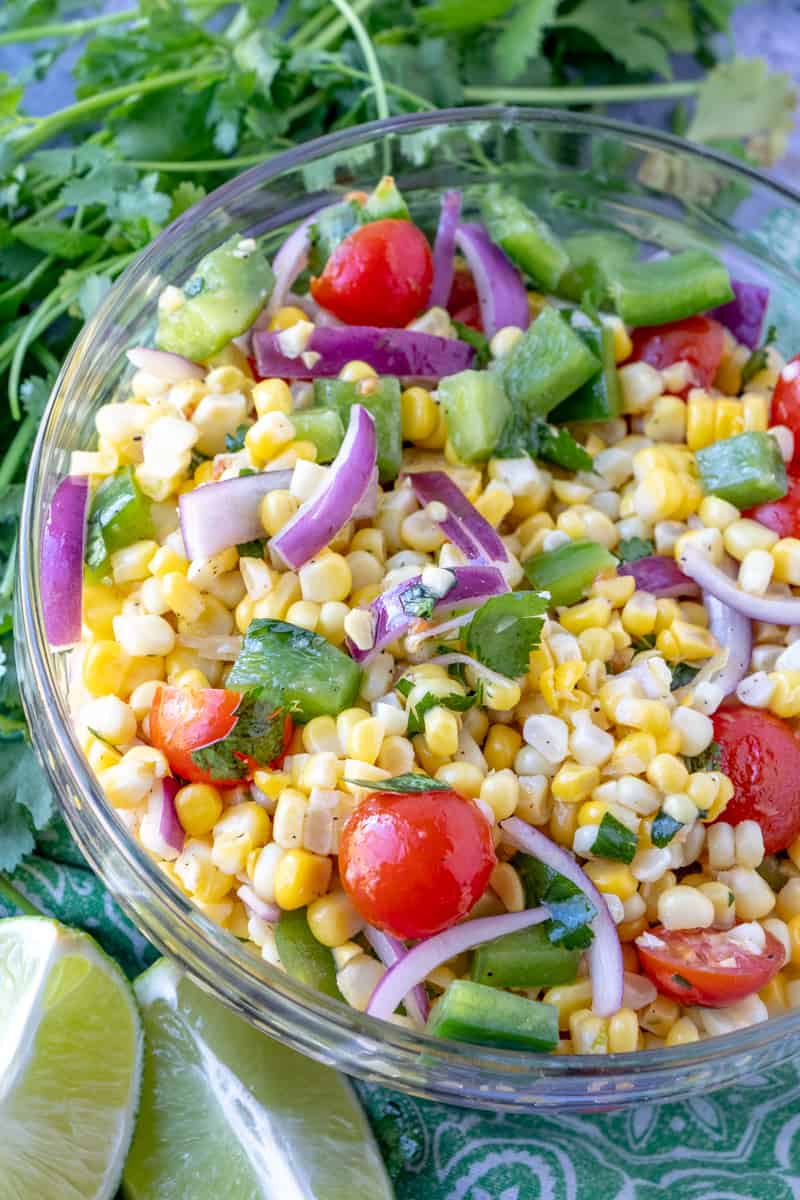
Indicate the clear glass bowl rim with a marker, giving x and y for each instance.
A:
(322, 1027)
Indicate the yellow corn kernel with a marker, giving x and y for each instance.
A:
(623, 346)
(613, 877)
(592, 613)
(692, 642)
(326, 578)
(104, 667)
(569, 998)
(276, 509)
(365, 740)
(744, 535)
(589, 1033)
(501, 746)
(418, 414)
(333, 920)
(286, 316)
(639, 615)
(567, 674)
(563, 822)
(623, 1032)
(682, 1033)
(617, 589)
(438, 438)
(699, 420)
(632, 753)
(495, 503)
(165, 560)
(441, 731)
(132, 563)
(199, 807)
(785, 698)
(272, 395)
(300, 878)
(271, 783)
(716, 513)
(462, 777)
(786, 557)
(651, 716)
(268, 436)
(100, 755)
(501, 791)
(592, 812)
(355, 371)
(320, 735)
(793, 850)
(668, 773)
(100, 605)
(501, 696)
(667, 611)
(196, 871)
(755, 410)
(276, 603)
(728, 419)
(183, 598)
(793, 926)
(574, 782)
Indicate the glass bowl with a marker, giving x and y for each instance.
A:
(579, 171)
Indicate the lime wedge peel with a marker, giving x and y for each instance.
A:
(70, 1063)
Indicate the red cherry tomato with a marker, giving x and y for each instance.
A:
(182, 721)
(706, 966)
(761, 754)
(786, 402)
(782, 516)
(381, 274)
(699, 341)
(415, 863)
(462, 303)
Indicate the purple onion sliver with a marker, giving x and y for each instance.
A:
(418, 963)
(734, 633)
(390, 950)
(659, 575)
(61, 562)
(605, 952)
(444, 250)
(169, 826)
(320, 518)
(290, 261)
(258, 907)
(436, 485)
(218, 515)
(164, 364)
(744, 315)
(502, 297)
(403, 352)
(775, 610)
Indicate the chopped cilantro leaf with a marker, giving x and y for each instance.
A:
(682, 673)
(258, 735)
(557, 446)
(254, 549)
(505, 629)
(478, 341)
(709, 760)
(681, 980)
(571, 910)
(614, 840)
(758, 358)
(419, 601)
(235, 441)
(632, 549)
(663, 829)
(402, 783)
(455, 701)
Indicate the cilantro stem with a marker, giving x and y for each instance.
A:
(16, 451)
(15, 897)
(394, 88)
(323, 34)
(44, 315)
(605, 94)
(370, 57)
(7, 582)
(37, 33)
(201, 165)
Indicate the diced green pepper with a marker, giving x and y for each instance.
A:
(119, 514)
(524, 959)
(331, 227)
(595, 256)
(668, 289)
(600, 398)
(303, 956)
(568, 572)
(470, 1012)
(381, 397)
(744, 470)
(476, 408)
(322, 427)
(384, 202)
(548, 363)
(526, 238)
(224, 296)
(296, 669)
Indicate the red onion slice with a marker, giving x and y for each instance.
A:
(734, 633)
(320, 518)
(390, 950)
(169, 826)
(464, 525)
(258, 907)
(61, 562)
(605, 952)
(368, 505)
(217, 515)
(473, 584)
(164, 365)
(290, 261)
(501, 292)
(412, 969)
(776, 610)
(404, 352)
(744, 315)
(660, 576)
(444, 250)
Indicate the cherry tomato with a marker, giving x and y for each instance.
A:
(699, 341)
(182, 721)
(381, 274)
(761, 754)
(706, 966)
(462, 303)
(782, 516)
(415, 863)
(786, 402)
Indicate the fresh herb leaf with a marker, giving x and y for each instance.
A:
(402, 783)
(257, 735)
(419, 601)
(557, 446)
(26, 802)
(682, 673)
(759, 359)
(631, 33)
(681, 980)
(521, 41)
(709, 760)
(505, 629)
(741, 99)
(663, 829)
(632, 549)
(233, 441)
(455, 701)
(571, 910)
(646, 642)
(614, 840)
(254, 549)
(478, 341)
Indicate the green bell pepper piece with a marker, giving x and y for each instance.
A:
(119, 514)
(548, 363)
(568, 572)
(744, 470)
(381, 397)
(600, 398)
(668, 289)
(594, 256)
(385, 202)
(470, 1012)
(224, 296)
(526, 959)
(296, 670)
(322, 427)
(476, 409)
(526, 238)
(303, 956)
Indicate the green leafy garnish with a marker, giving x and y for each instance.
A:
(663, 829)
(682, 673)
(634, 548)
(478, 341)
(401, 783)
(235, 441)
(455, 701)
(419, 601)
(257, 735)
(614, 840)
(709, 760)
(505, 629)
(557, 446)
(254, 549)
(759, 358)
(681, 980)
(571, 910)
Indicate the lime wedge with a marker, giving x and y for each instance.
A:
(227, 1111)
(70, 1063)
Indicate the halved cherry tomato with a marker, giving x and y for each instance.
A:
(761, 755)
(786, 402)
(381, 274)
(415, 863)
(699, 341)
(706, 966)
(462, 303)
(782, 516)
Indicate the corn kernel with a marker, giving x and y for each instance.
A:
(300, 878)
(333, 920)
(612, 877)
(786, 557)
(501, 746)
(574, 782)
(418, 414)
(268, 436)
(623, 1032)
(104, 668)
(462, 777)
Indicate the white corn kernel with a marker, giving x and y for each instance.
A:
(144, 635)
(721, 845)
(756, 690)
(548, 735)
(695, 729)
(685, 908)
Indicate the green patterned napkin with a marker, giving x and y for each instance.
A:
(739, 1144)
